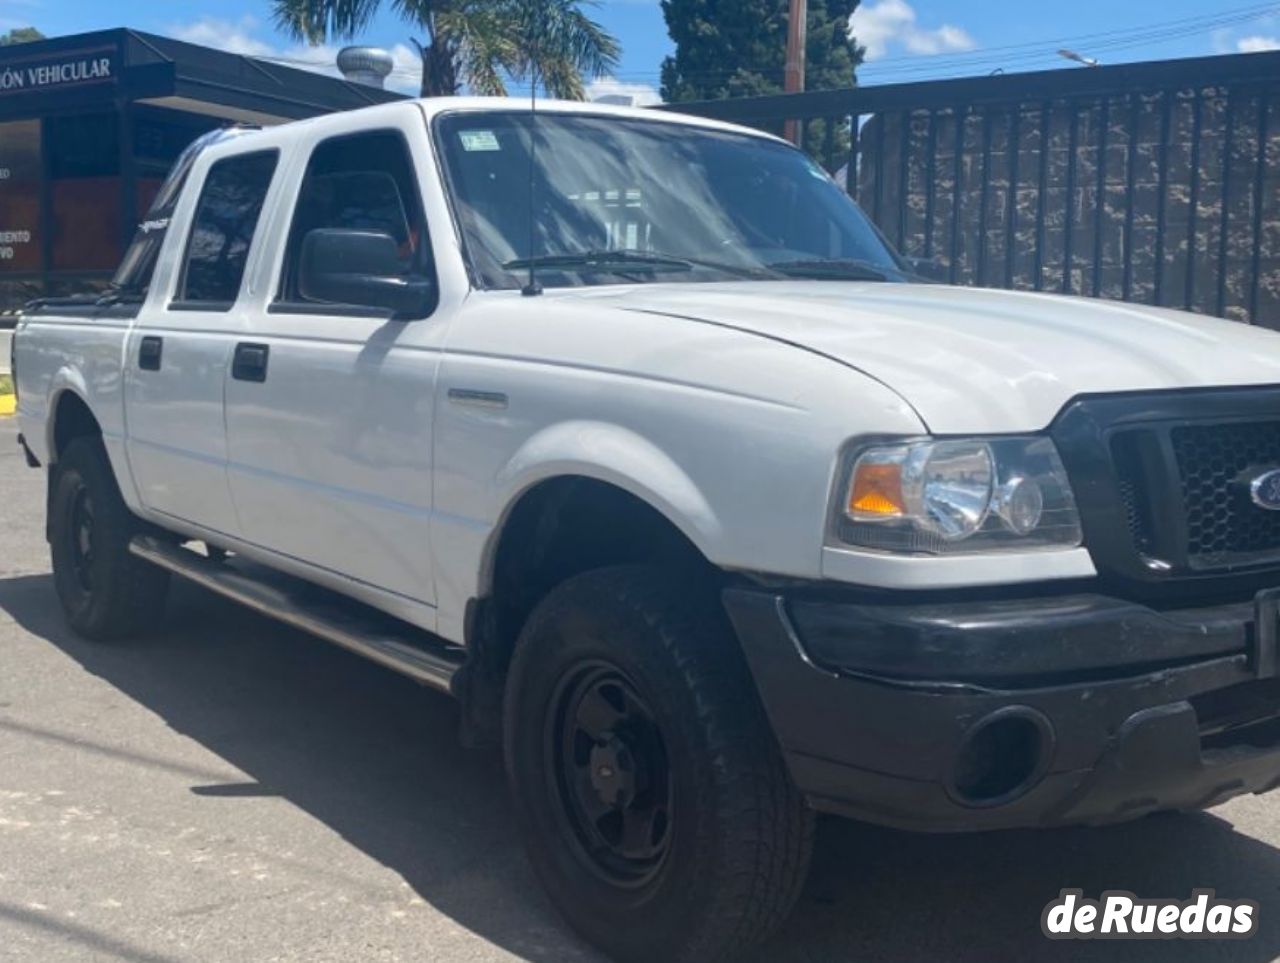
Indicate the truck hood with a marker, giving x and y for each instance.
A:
(971, 359)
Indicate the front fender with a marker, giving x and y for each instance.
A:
(622, 458)
(465, 544)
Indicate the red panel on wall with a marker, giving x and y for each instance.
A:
(86, 224)
(20, 197)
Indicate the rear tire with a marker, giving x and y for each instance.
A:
(650, 791)
(106, 592)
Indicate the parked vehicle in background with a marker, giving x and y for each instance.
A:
(645, 448)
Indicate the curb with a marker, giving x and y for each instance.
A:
(8, 400)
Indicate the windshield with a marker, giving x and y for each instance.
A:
(622, 200)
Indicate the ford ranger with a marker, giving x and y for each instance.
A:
(631, 432)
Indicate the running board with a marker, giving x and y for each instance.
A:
(349, 624)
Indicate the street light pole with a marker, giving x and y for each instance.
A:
(793, 78)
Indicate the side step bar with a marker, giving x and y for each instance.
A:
(365, 631)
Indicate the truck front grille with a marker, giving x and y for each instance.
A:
(1207, 519)
(1130, 480)
(1214, 463)
(1162, 483)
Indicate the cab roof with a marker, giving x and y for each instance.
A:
(431, 107)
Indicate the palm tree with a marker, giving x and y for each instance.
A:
(479, 43)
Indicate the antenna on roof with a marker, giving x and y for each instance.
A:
(533, 288)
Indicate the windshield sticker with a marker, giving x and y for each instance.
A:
(478, 140)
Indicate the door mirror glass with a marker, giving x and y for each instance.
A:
(358, 267)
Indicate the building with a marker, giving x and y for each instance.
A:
(89, 125)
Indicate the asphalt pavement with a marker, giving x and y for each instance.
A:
(228, 790)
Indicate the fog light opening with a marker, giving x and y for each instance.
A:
(1002, 757)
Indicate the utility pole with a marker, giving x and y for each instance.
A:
(793, 79)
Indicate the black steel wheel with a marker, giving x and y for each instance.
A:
(81, 534)
(649, 789)
(106, 592)
(608, 758)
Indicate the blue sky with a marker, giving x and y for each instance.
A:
(906, 39)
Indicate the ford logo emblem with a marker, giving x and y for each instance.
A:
(1265, 490)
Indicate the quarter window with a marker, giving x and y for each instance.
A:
(222, 231)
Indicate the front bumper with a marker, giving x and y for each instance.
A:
(1078, 709)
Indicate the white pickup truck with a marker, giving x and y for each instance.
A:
(650, 451)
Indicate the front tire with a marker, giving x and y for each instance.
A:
(106, 592)
(651, 793)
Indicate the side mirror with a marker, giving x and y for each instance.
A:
(363, 268)
(926, 269)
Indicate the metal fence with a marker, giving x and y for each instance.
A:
(1155, 182)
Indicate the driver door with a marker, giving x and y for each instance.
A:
(328, 405)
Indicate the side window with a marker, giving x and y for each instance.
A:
(362, 182)
(222, 230)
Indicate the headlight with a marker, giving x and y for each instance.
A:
(969, 495)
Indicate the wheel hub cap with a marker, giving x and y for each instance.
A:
(613, 772)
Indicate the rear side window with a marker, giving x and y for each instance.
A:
(133, 277)
(222, 231)
(364, 182)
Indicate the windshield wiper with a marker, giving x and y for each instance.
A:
(624, 260)
(739, 270)
(603, 260)
(839, 268)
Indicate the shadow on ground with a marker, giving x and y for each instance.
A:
(376, 758)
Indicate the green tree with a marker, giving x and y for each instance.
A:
(20, 35)
(737, 48)
(477, 43)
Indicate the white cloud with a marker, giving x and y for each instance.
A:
(243, 37)
(1259, 35)
(233, 37)
(892, 24)
(1257, 44)
(643, 95)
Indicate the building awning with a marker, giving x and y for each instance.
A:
(111, 68)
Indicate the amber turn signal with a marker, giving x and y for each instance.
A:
(876, 491)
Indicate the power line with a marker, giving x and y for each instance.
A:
(1028, 52)
(981, 59)
(1198, 23)
(1124, 41)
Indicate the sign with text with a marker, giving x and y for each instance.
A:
(72, 69)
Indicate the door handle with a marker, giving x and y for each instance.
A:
(150, 350)
(250, 362)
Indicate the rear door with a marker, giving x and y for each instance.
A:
(178, 353)
(329, 405)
